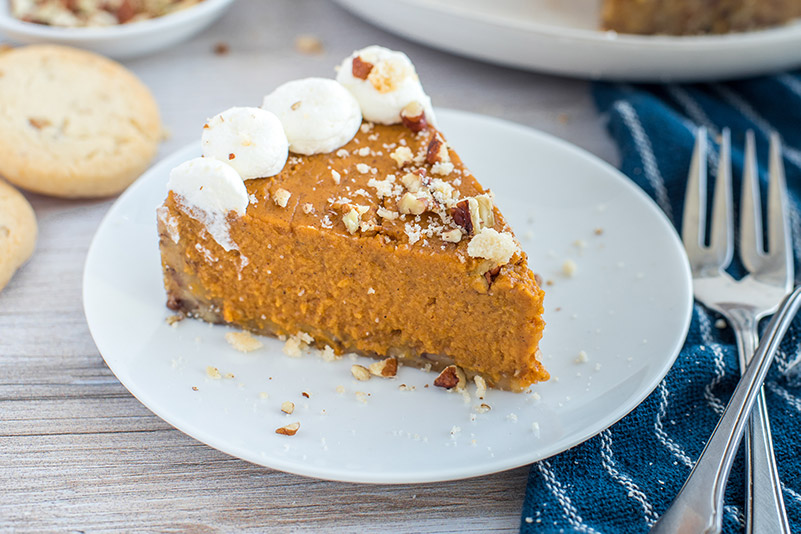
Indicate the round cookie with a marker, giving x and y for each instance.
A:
(72, 123)
(17, 231)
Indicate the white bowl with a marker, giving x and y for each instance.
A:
(120, 42)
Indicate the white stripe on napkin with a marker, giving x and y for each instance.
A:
(646, 152)
(633, 490)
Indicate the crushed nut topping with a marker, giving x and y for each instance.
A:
(413, 116)
(281, 197)
(389, 74)
(402, 156)
(411, 204)
(492, 274)
(499, 247)
(387, 368)
(437, 150)
(461, 216)
(360, 372)
(452, 236)
(387, 214)
(352, 218)
(289, 430)
(451, 377)
(360, 68)
(412, 182)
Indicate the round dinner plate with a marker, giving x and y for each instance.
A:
(614, 329)
(563, 37)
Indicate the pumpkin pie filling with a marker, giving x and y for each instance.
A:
(386, 247)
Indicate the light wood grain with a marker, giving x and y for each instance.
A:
(79, 453)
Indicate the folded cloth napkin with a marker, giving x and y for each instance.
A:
(623, 479)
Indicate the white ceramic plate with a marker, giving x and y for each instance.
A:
(628, 307)
(562, 37)
(123, 41)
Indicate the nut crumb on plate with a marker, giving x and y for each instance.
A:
(360, 372)
(569, 268)
(243, 341)
(452, 377)
(387, 368)
(288, 430)
(288, 407)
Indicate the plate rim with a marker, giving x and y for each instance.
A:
(341, 475)
(586, 53)
(711, 41)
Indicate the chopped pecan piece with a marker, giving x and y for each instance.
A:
(461, 216)
(492, 273)
(386, 368)
(289, 430)
(360, 372)
(437, 151)
(361, 69)
(451, 377)
(413, 116)
(411, 204)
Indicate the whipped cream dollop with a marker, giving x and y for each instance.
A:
(318, 114)
(384, 82)
(209, 190)
(251, 140)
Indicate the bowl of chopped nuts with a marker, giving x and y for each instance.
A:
(120, 29)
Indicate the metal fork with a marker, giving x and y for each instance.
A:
(742, 302)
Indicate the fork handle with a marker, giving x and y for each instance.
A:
(698, 506)
(764, 500)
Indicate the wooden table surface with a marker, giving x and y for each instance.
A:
(78, 453)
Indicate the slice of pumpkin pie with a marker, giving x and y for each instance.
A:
(338, 213)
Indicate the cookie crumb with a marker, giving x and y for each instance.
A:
(213, 372)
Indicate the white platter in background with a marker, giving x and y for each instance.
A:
(562, 37)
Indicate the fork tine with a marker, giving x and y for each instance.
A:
(693, 221)
(721, 240)
(751, 245)
(778, 216)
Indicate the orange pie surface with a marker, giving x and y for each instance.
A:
(373, 249)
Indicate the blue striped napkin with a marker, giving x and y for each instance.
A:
(621, 480)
